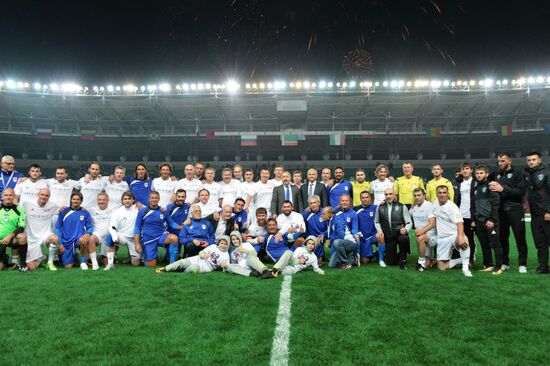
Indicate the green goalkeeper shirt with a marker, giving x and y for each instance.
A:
(12, 219)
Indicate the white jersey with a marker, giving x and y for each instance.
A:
(228, 192)
(39, 220)
(123, 222)
(28, 190)
(446, 218)
(465, 188)
(214, 189)
(60, 193)
(420, 215)
(91, 189)
(214, 260)
(310, 260)
(253, 232)
(263, 194)
(294, 220)
(115, 190)
(276, 183)
(208, 209)
(100, 220)
(245, 189)
(165, 188)
(240, 257)
(192, 188)
(378, 188)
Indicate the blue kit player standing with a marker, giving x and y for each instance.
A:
(140, 185)
(150, 232)
(339, 187)
(74, 230)
(315, 225)
(366, 212)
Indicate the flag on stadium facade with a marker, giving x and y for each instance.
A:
(337, 139)
(249, 140)
(211, 135)
(289, 140)
(300, 133)
(505, 130)
(43, 133)
(434, 131)
(547, 128)
(88, 134)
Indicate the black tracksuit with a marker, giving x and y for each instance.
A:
(484, 207)
(538, 195)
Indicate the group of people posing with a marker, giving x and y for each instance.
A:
(239, 224)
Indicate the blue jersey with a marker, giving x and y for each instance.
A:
(337, 227)
(316, 226)
(72, 224)
(240, 218)
(352, 222)
(151, 223)
(337, 190)
(198, 229)
(176, 216)
(365, 216)
(274, 248)
(8, 180)
(140, 188)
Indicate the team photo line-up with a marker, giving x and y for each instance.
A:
(238, 224)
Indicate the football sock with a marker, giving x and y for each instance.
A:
(83, 259)
(421, 261)
(381, 251)
(454, 262)
(173, 250)
(93, 257)
(52, 252)
(110, 257)
(23, 254)
(465, 255)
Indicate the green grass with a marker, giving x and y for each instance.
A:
(365, 315)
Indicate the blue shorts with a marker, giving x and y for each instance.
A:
(365, 247)
(150, 246)
(69, 255)
(320, 250)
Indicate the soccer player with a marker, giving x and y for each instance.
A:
(61, 188)
(275, 241)
(228, 188)
(101, 217)
(208, 207)
(91, 185)
(212, 187)
(12, 226)
(257, 228)
(244, 260)
(379, 185)
(199, 171)
(150, 232)
(302, 258)
(463, 190)
(164, 184)
(425, 241)
(484, 208)
(313, 188)
(8, 175)
(326, 177)
(277, 175)
(297, 178)
(198, 234)
(393, 222)
(178, 212)
(27, 189)
(292, 223)
(438, 180)
(351, 228)
(538, 196)
(207, 260)
(359, 185)
(140, 185)
(511, 186)
(367, 231)
(404, 185)
(246, 189)
(343, 245)
(190, 184)
(263, 193)
(315, 225)
(121, 231)
(339, 187)
(74, 230)
(449, 225)
(240, 215)
(116, 187)
(39, 230)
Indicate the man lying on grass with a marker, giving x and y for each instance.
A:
(209, 259)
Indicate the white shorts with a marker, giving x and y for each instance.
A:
(445, 247)
(34, 248)
(131, 246)
(433, 239)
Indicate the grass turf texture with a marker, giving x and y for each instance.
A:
(365, 315)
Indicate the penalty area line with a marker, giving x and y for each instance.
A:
(279, 348)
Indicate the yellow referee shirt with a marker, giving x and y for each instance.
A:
(404, 187)
(357, 189)
(432, 185)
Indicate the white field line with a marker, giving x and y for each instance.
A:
(279, 349)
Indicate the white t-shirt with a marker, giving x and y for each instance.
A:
(228, 191)
(294, 220)
(263, 194)
(310, 260)
(28, 190)
(276, 183)
(420, 215)
(39, 220)
(165, 188)
(246, 189)
(115, 191)
(446, 218)
(239, 257)
(214, 189)
(208, 209)
(254, 231)
(378, 188)
(213, 261)
(124, 221)
(91, 189)
(100, 220)
(465, 188)
(192, 188)
(60, 193)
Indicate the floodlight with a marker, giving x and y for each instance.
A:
(54, 87)
(37, 86)
(322, 84)
(10, 84)
(330, 84)
(232, 86)
(385, 83)
(306, 84)
(352, 84)
(165, 87)
(110, 88)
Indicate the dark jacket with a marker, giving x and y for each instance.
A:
(484, 203)
(538, 189)
(513, 182)
(279, 197)
(229, 225)
(458, 197)
(319, 190)
(397, 219)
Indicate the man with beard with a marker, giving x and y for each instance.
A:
(438, 180)
(339, 187)
(285, 192)
(256, 229)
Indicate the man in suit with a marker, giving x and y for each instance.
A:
(313, 188)
(285, 192)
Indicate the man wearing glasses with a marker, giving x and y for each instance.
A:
(8, 174)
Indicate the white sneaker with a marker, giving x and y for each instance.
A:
(467, 273)
(83, 266)
(505, 267)
(382, 264)
(522, 269)
(95, 267)
(109, 267)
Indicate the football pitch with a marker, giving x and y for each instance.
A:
(366, 315)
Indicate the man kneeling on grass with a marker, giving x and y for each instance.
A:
(244, 260)
(302, 258)
(209, 259)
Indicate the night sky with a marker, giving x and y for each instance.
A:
(122, 41)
